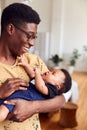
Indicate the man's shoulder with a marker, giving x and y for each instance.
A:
(32, 58)
(29, 55)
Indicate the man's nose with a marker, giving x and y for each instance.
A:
(31, 42)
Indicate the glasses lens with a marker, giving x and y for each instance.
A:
(31, 37)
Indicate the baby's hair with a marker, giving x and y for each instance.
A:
(67, 82)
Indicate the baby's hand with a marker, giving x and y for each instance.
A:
(36, 70)
(22, 61)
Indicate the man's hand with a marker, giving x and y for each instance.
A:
(23, 110)
(11, 85)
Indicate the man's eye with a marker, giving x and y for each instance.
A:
(31, 37)
(34, 37)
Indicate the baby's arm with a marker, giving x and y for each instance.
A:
(3, 112)
(39, 83)
(27, 67)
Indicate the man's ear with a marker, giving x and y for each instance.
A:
(10, 29)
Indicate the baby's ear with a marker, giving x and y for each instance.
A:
(58, 86)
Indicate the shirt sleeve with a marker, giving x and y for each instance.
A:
(52, 90)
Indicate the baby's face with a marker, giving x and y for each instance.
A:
(54, 77)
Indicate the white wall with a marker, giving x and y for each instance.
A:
(69, 28)
(57, 26)
(75, 28)
(75, 32)
(70, 23)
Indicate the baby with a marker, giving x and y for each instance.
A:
(47, 85)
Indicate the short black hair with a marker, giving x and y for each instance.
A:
(66, 86)
(19, 13)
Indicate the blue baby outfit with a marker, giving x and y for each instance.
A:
(30, 94)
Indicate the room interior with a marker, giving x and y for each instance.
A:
(63, 28)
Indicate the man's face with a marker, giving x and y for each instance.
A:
(23, 38)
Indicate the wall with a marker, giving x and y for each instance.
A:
(69, 29)
(75, 28)
(75, 32)
(57, 27)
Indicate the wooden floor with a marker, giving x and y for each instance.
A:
(50, 121)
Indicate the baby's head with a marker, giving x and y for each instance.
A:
(59, 78)
(66, 84)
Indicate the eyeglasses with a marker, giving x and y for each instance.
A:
(30, 37)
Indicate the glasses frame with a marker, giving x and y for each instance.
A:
(26, 33)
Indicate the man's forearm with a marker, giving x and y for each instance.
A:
(49, 105)
(20, 113)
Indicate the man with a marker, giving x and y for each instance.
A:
(19, 25)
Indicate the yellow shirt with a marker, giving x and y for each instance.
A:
(10, 71)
